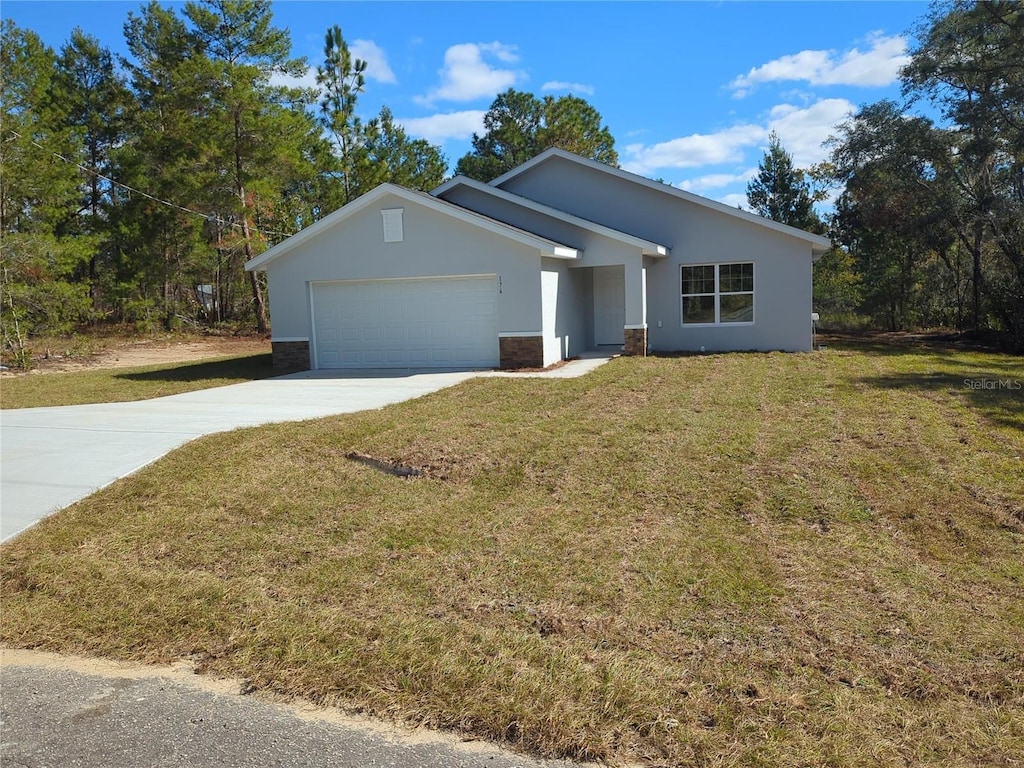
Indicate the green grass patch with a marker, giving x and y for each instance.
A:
(746, 559)
(117, 385)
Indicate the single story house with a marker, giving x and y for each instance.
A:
(558, 256)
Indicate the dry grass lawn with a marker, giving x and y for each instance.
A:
(117, 384)
(747, 559)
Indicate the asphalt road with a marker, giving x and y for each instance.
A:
(54, 716)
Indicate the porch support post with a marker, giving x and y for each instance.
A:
(635, 330)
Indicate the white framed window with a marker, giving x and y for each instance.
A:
(394, 232)
(717, 294)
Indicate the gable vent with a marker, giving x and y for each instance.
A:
(393, 230)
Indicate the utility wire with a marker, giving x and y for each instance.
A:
(205, 217)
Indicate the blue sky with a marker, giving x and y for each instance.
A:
(690, 90)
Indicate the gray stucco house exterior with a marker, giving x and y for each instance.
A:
(559, 255)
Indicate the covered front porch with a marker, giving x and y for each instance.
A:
(614, 304)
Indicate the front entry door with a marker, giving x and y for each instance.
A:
(609, 305)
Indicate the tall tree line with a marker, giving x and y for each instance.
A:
(929, 222)
(134, 189)
(932, 213)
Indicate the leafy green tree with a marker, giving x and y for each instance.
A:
(970, 63)
(519, 126)
(892, 214)
(781, 192)
(837, 285)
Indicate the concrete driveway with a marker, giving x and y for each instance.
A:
(52, 457)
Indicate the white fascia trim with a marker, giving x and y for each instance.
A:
(288, 338)
(519, 333)
(647, 247)
(545, 246)
(818, 243)
(637, 327)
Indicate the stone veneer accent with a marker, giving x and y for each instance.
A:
(521, 351)
(636, 342)
(290, 356)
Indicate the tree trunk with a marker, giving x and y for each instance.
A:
(259, 306)
(979, 233)
(94, 206)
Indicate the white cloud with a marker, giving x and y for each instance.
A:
(803, 129)
(560, 85)
(879, 65)
(377, 67)
(452, 125)
(695, 150)
(716, 181)
(306, 80)
(735, 200)
(467, 74)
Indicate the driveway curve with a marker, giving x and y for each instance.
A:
(52, 457)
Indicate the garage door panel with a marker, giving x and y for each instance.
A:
(443, 322)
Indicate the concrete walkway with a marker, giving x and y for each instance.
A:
(52, 457)
(88, 713)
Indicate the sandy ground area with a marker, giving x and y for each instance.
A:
(132, 353)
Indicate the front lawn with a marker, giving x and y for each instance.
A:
(746, 559)
(118, 385)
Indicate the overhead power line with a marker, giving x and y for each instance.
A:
(168, 203)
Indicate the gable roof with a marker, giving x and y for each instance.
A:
(818, 243)
(547, 247)
(647, 247)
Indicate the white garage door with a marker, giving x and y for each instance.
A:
(421, 323)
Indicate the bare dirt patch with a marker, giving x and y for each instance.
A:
(133, 353)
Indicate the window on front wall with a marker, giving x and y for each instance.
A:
(715, 294)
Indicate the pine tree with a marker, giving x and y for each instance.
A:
(780, 191)
(255, 141)
(162, 247)
(96, 99)
(519, 126)
(342, 80)
(388, 154)
(39, 153)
